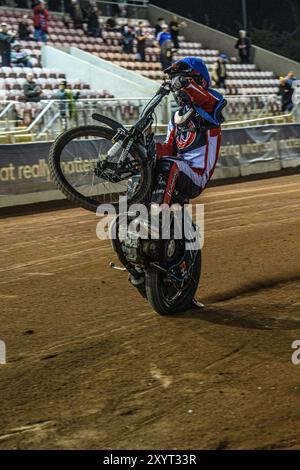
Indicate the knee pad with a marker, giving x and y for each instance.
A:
(164, 185)
(164, 166)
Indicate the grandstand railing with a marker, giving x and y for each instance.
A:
(46, 119)
(241, 107)
(278, 119)
(54, 116)
(126, 3)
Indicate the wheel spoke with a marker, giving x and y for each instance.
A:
(78, 165)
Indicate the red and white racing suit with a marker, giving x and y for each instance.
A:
(187, 159)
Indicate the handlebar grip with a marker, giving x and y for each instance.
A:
(163, 91)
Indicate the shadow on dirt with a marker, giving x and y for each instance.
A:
(244, 308)
(263, 317)
(253, 288)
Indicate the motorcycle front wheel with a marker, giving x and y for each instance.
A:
(76, 161)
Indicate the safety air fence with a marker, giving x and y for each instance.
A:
(24, 174)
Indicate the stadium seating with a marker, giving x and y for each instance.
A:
(241, 79)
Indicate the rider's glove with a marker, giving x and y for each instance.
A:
(178, 82)
(181, 98)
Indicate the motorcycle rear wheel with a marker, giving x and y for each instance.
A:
(157, 295)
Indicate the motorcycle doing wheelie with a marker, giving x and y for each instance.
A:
(95, 165)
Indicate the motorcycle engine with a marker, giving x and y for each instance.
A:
(136, 245)
(132, 249)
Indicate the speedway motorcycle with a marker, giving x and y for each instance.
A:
(97, 164)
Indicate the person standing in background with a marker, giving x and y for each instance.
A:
(243, 45)
(93, 23)
(67, 102)
(291, 76)
(76, 14)
(31, 90)
(128, 25)
(6, 40)
(175, 27)
(24, 33)
(165, 42)
(164, 35)
(286, 92)
(219, 72)
(128, 37)
(40, 22)
(141, 37)
(158, 26)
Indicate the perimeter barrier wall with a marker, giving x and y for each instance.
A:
(25, 179)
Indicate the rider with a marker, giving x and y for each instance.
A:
(187, 159)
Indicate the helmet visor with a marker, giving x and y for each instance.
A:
(178, 67)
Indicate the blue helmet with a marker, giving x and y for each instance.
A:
(191, 65)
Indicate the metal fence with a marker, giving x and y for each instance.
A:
(21, 121)
(48, 118)
(251, 107)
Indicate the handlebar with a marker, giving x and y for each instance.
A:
(163, 91)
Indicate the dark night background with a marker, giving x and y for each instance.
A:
(272, 24)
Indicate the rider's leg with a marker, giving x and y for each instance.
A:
(171, 174)
(176, 173)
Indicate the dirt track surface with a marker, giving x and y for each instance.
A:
(90, 365)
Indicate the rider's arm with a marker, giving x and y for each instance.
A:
(200, 96)
(207, 103)
(168, 148)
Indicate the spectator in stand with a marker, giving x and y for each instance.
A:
(40, 22)
(128, 38)
(6, 40)
(158, 26)
(291, 76)
(243, 45)
(164, 39)
(31, 90)
(67, 21)
(111, 23)
(286, 92)
(175, 27)
(219, 72)
(67, 106)
(20, 57)
(76, 14)
(93, 23)
(141, 37)
(164, 35)
(24, 33)
(125, 27)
